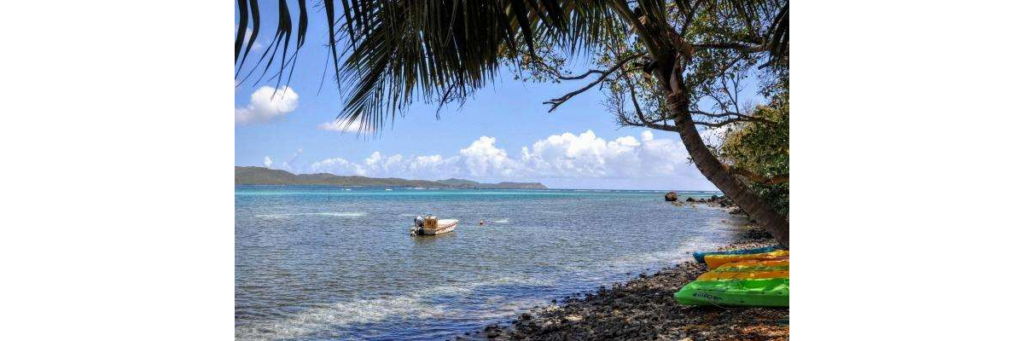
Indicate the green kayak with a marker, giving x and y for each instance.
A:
(771, 292)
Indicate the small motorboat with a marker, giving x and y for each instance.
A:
(431, 226)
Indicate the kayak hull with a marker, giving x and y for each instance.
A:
(770, 292)
(744, 278)
(714, 261)
(699, 256)
(755, 265)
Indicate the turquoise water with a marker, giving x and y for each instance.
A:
(326, 263)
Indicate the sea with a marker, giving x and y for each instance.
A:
(336, 263)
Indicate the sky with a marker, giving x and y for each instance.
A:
(503, 133)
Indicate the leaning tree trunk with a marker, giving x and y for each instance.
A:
(714, 171)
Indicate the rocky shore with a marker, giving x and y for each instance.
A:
(644, 309)
(713, 201)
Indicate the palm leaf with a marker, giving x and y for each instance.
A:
(397, 51)
(406, 50)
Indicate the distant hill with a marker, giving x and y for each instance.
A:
(266, 176)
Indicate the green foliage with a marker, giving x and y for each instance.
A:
(763, 149)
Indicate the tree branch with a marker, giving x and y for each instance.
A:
(638, 112)
(604, 75)
(722, 123)
(742, 117)
(692, 9)
(778, 179)
(743, 48)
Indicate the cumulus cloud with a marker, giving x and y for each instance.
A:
(265, 105)
(588, 156)
(267, 161)
(342, 127)
(567, 155)
(646, 135)
(338, 166)
(483, 159)
(397, 165)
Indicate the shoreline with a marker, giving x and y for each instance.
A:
(643, 308)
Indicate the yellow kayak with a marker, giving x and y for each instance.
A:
(733, 275)
(714, 261)
(755, 265)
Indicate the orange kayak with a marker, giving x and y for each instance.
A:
(714, 261)
(755, 265)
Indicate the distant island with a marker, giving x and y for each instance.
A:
(266, 176)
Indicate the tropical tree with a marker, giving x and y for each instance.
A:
(672, 65)
(759, 153)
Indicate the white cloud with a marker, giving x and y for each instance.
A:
(342, 126)
(267, 161)
(338, 166)
(646, 135)
(249, 36)
(265, 104)
(397, 165)
(563, 156)
(588, 156)
(483, 159)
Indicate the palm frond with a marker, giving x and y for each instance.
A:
(280, 42)
(402, 50)
(398, 51)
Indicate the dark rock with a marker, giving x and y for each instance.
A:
(643, 309)
(690, 199)
(758, 234)
(671, 196)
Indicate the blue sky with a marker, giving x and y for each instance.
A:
(577, 146)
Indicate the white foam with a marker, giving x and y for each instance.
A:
(414, 305)
(327, 214)
(500, 221)
(342, 214)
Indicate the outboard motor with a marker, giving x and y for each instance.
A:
(417, 228)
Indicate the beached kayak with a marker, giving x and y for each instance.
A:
(752, 277)
(699, 256)
(731, 275)
(714, 261)
(755, 265)
(766, 292)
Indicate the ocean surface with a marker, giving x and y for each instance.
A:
(330, 263)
